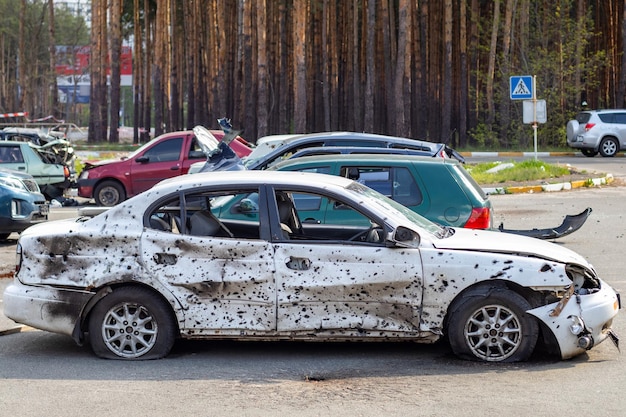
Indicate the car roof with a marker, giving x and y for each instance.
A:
(299, 140)
(366, 159)
(251, 178)
(14, 142)
(304, 138)
(603, 111)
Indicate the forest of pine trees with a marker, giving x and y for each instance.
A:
(427, 69)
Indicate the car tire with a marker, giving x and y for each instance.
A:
(492, 326)
(589, 152)
(109, 193)
(132, 323)
(609, 147)
(4, 236)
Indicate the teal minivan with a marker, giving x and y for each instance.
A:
(439, 189)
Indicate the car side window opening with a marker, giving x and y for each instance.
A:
(168, 150)
(205, 214)
(11, 154)
(396, 183)
(297, 223)
(195, 151)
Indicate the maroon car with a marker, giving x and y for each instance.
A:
(171, 154)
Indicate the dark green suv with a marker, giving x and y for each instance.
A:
(439, 189)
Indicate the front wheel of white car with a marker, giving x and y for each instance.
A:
(132, 323)
(493, 327)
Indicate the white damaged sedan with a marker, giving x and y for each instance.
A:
(229, 255)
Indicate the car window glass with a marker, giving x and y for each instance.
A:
(209, 214)
(412, 147)
(356, 142)
(11, 154)
(298, 224)
(620, 118)
(583, 117)
(288, 153)
(606, 117)
(396, 183)
(196, 152)
(168, 150)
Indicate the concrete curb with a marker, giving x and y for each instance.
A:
(564, 186)
(529, 154)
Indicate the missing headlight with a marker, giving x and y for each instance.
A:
(585, 281)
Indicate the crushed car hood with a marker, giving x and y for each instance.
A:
(91, 164)
(484, 240)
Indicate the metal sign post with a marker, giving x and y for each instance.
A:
(525, 87)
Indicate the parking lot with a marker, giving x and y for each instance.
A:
(43, 373)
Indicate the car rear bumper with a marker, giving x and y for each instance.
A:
(595, 311)
(53, 309)
(583, 142)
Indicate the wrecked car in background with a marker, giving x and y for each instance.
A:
(52, 148)
(170, 263)
(53, 178)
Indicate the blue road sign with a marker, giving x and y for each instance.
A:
(521, 87)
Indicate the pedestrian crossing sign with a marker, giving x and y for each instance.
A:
(521, 87)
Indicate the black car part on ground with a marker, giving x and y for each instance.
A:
(570, 224)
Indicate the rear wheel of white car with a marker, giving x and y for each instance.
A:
(132, 323)
(609, 147)
(109, 193)
(493, 327)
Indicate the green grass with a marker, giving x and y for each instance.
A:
(529, 170)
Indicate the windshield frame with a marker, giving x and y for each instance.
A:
(388, 205)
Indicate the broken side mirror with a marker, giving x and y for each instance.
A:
(406, 237)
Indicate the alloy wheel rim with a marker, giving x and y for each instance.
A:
(493, 333)
(129, 330)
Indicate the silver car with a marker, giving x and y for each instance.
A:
(598, 131)
(172, 263)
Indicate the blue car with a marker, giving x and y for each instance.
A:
(21, 202)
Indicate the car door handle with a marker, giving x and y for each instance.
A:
(298, 264)
(165, 258)
(175, 168)
(311, 220)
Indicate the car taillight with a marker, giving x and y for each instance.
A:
(66, 171)
(479, 219)
(588, 126)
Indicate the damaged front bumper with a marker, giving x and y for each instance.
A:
(580, 322)
(53, 309)
(570, 224)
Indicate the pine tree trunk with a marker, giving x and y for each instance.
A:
(262, 101)
(54, 89)
(116, 49)
(300, 12)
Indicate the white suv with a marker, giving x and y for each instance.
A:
(594, 131)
